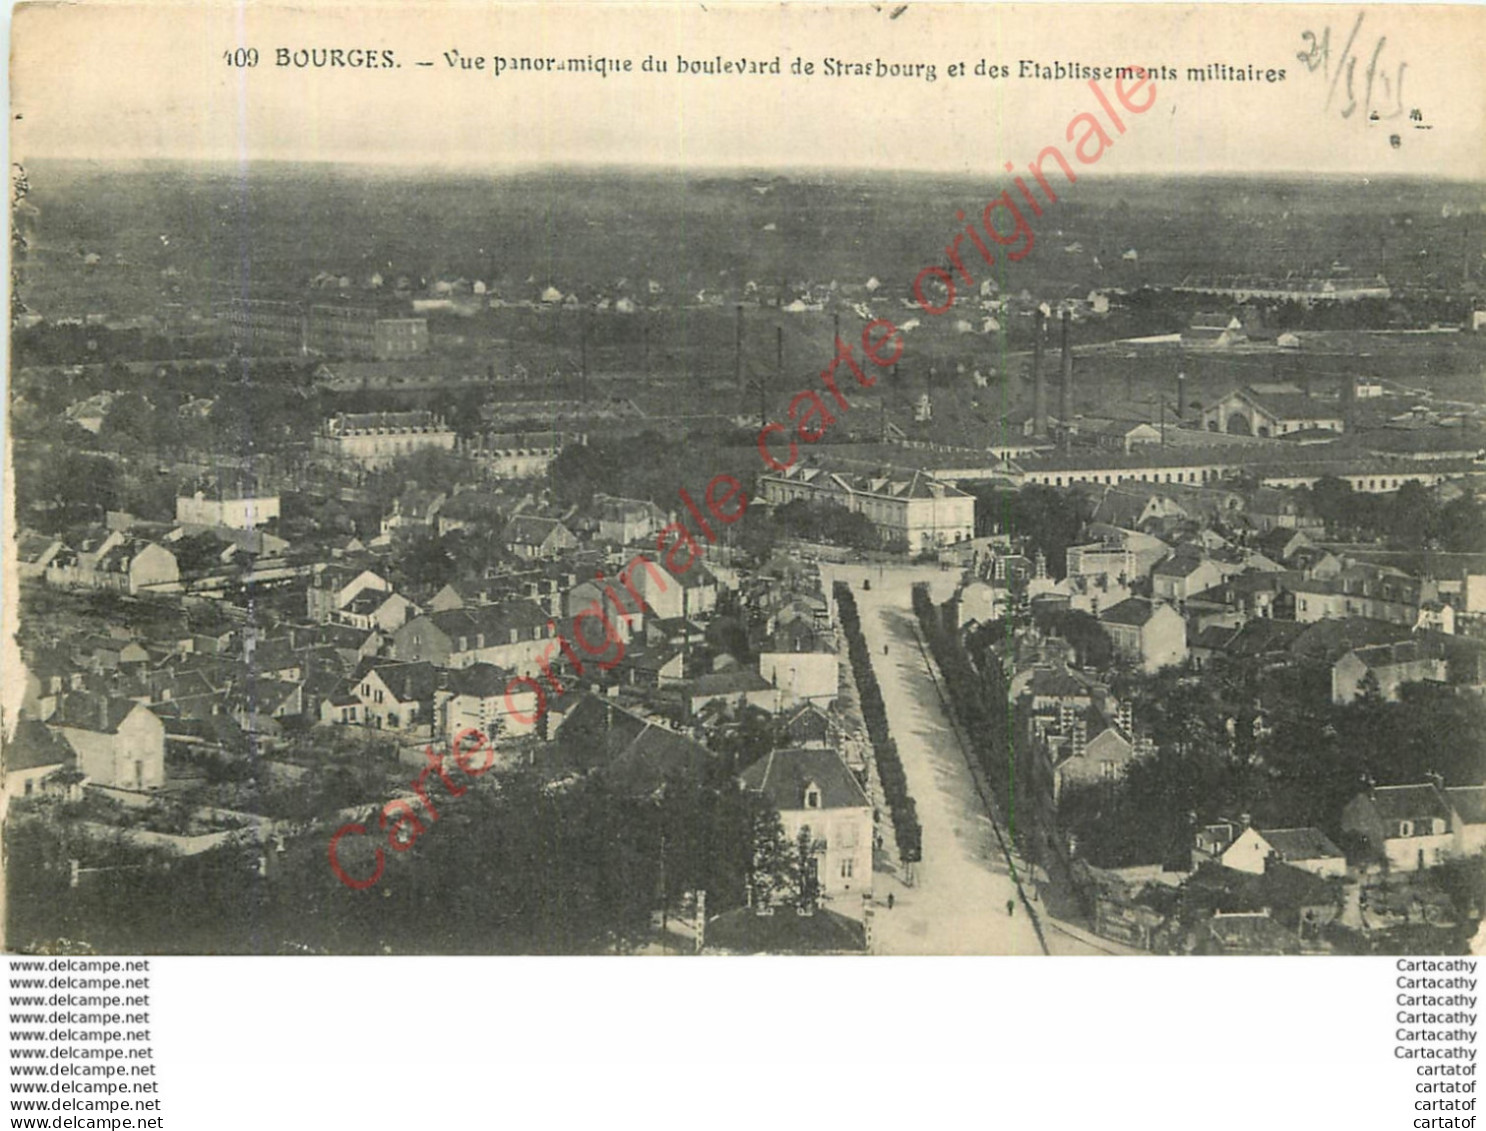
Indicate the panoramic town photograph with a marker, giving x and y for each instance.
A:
(672, 559)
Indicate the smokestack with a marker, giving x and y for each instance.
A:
(1349, 403)
(738, 349)
(1039, 391)
(1181, 397)
(1065, 406)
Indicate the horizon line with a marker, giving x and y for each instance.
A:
(397, 166)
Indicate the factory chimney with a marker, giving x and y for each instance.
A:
(1065, 405)
(1039, 390)
(1181, 398)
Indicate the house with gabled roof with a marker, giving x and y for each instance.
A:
(1279, 543)
(1306, 848)
(811, 725)
(484, 697)
(258, 706)
(119, 743)
(659, 665)
(1185, 572)
(821, 800)
(334, 586)
(1390, 666)
(414, 508)
(1129, 506)
(1409, 826)
(531, 536)
(118, 562)
(672, 594)
(1053, 687)
(1104, 758)
(1241, 598)
(801, 662)
(50, 674)
(1147, 633)
(625, 521)
(385, 695)
(34, 757)
(635, 755)
(377, 610)
(34, 552)
(511, 635)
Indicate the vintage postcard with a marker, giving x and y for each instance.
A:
(686, 479)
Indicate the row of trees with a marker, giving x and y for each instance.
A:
(1267, 742)
(979, 702)
(906, 828)
(826, 522)
(1409, 518)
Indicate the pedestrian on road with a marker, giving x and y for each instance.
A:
(884, 649)
(889, 901)
(1010, 907)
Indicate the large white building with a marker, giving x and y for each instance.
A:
(238, 511)
(913, 511)
(1271, 410)
(374, 439)
(821, 803)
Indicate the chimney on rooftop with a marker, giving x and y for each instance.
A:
(1039, 391)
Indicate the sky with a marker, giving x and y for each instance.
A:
(113, 82)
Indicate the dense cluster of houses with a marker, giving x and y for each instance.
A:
(1245, 888)
(1183, 576)
(133, 702)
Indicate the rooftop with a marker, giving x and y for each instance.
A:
(1300, 844)
(784, 775)
(744, 931)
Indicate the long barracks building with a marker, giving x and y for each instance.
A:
(1374, 475)
(1191, 465)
